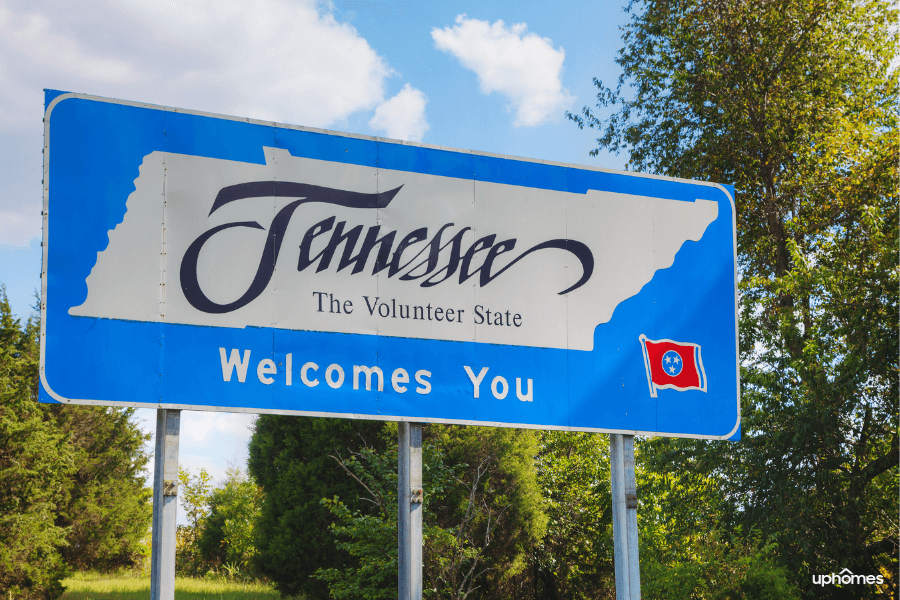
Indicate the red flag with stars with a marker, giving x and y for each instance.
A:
(673, 365)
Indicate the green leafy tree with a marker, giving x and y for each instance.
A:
(685, 551)
(35, 466)
(690, 547)
(500, 484)
(794, 103)
(72, 493)
(716, 568)
(227, 537)
(481, 517)
(289, 460)
(195, 493)
(368, 536)
(575, 558)
(107, 510)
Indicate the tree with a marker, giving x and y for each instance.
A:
(289, 459)
(108, 506)
(35, 466)
(227, 537)
(575, 558)
(794, 103)
(368, 537)
(484, 508)
(195, 493)
(71, 489)
(482, 513)
(713, 567)
(499, 482)
(690, 545)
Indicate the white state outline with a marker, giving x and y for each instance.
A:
(670, 386)
(45, 214)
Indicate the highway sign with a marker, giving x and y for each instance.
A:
(206, 262)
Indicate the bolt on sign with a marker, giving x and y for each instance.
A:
(204, 262)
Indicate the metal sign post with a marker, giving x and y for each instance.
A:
(624, 498)
(409, 506)
(165, 505)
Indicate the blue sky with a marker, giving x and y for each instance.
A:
(495, 77)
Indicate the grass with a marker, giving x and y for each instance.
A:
(126, 586)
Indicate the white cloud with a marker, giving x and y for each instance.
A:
(20, 225)
(205, 430)
(282, 60)
(522, 66)
(201, 429)
(403, 116)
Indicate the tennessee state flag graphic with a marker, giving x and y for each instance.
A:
(673, 365)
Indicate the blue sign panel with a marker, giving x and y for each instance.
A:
(207, 262)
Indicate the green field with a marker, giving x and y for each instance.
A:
(131, 587)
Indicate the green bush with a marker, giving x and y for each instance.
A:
(194, 493)
(717, 568)
(227, 538)
(289, 459)
(482, 512)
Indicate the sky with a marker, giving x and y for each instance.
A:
(495, 77)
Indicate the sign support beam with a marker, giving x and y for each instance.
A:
(409, 505)
(165, 505)
(624, 498)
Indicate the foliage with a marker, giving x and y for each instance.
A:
(461, 556)
(682, 503)
(369, 537)
(289, 460)
(219, 537)
(480, 518)
(194, 492)
(227, 537)
(795, 103)
(575, 558)
(507, 492)
(713, 568)
(689, 546)
(108, 510)
(71, 489)
(36, 463)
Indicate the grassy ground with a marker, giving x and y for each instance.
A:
(89, 586)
